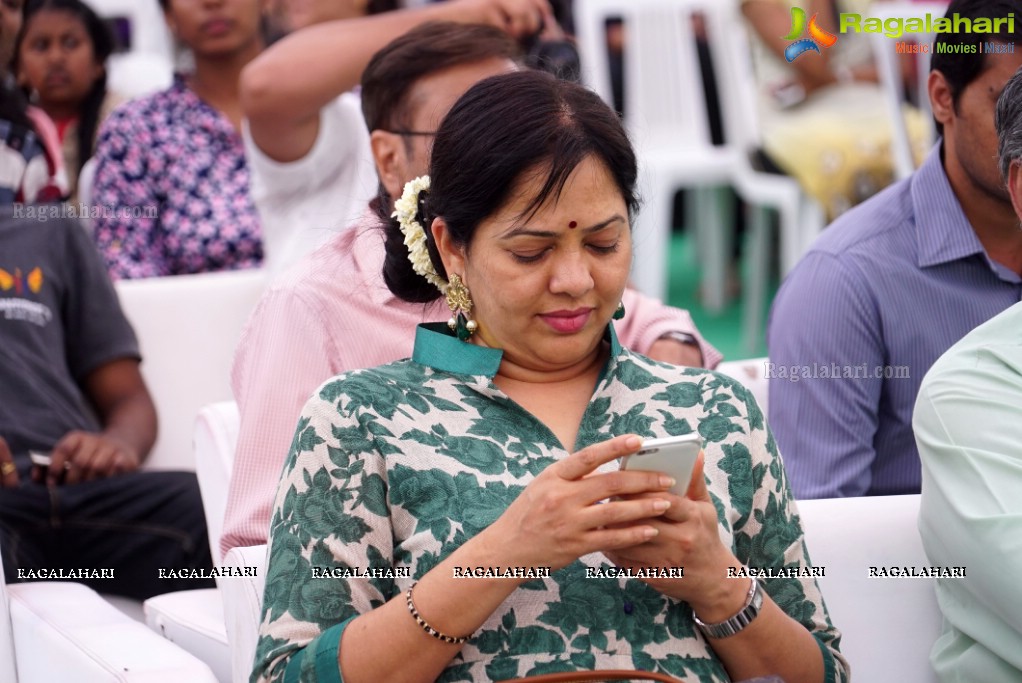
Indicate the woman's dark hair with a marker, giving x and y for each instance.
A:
(102, 46)
(13, 104)
(503, 127)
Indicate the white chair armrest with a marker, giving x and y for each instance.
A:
(243, 604)
(216, 436)
(8, 672)
(193, 620)
(67, 632)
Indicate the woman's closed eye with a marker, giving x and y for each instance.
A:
(604, 248)
(535, 256)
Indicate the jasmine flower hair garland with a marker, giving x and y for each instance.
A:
(406, 211)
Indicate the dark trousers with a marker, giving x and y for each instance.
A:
(134, 524)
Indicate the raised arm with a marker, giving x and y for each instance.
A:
(283, 90)
(771, 21)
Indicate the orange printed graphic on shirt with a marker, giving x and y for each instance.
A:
(35, 280)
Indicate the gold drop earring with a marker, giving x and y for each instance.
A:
(460, 302)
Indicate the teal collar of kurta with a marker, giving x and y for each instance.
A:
(436, 346)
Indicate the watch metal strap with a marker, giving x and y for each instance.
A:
(731, 626)
(681, 338)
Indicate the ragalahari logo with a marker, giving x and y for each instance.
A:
(817, 36)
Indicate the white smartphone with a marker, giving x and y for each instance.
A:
(39, 459)
(674, 456)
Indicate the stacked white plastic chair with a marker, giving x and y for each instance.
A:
(667, 118)
(149, 63)
(889, 64)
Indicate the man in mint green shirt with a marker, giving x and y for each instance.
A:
(968, 427)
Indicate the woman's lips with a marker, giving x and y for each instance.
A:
(55, 79)
(217, 27)
(567, 321)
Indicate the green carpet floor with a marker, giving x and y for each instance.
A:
(723, 329)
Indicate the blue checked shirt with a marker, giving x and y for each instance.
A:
(886, 290)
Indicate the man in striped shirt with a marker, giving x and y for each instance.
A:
(893, 283)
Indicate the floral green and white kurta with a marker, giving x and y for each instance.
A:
(395, 467)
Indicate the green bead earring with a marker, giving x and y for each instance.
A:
(619, 312)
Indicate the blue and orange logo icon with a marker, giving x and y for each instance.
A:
(817, 36)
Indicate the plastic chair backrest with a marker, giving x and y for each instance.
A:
(889, 70)
(661, 67)
(731, 52)
(148, 29)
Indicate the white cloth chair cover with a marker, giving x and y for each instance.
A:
(888, 625)
(243, 605)
(67, 632)
(187, 327)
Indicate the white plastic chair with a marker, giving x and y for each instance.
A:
(888, 625)
(8, 672)
(892, 83)
(188, 327)
(149, 31)
(666, 116)
(136, 74)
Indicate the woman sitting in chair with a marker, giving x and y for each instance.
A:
(495, 449)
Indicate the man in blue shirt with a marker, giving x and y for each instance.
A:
(892, 284)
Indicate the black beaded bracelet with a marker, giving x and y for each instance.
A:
(453, 640)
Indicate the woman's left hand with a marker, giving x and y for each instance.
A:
(688, 538)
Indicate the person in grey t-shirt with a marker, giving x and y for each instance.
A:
(70, 388)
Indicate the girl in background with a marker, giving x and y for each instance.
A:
(172, 165)
(32, 170)
(61, 64)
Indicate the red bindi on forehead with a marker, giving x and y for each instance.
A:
(573, 224)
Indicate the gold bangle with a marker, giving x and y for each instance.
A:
(453, 640)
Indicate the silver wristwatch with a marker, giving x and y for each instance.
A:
(731, 626)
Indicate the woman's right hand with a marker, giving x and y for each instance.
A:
(559, 516)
